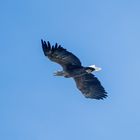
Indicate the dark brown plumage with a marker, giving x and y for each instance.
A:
(86, 82)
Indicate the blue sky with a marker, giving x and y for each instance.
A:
(34, 105)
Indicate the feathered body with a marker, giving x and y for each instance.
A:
(86, 82)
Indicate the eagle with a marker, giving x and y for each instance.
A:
(85, 81)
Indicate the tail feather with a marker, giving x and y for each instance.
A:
(96, 68)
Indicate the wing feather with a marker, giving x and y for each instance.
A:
(59, 55)
(90, 86)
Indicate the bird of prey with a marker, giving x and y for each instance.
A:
(86, 82)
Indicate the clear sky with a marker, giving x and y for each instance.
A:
(35, 105)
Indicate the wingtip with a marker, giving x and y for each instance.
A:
(104, 96)
(42, 42)
(46, 45)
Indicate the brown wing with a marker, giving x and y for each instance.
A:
(59, 55)
(90, 86)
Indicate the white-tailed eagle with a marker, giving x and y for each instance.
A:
(86, 82)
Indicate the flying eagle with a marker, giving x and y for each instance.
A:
(86, 82)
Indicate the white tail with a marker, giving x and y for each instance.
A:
(96, 68)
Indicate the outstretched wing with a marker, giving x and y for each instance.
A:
(59, 55)
(90, 86)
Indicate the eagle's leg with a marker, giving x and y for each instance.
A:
(60, 73)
